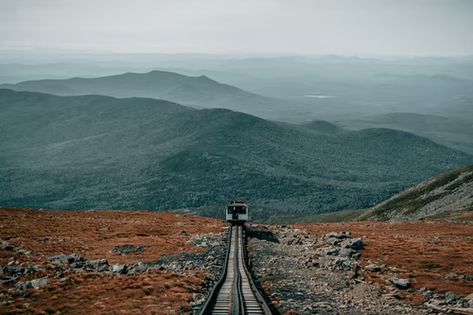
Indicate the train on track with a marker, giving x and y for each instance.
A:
(236, 212)
(235, 292)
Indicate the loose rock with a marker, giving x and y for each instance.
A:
(402, 284)
(128, 249)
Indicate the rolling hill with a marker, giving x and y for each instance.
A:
(197, 91)
(445, 196)
(82, 152)
(453, 132)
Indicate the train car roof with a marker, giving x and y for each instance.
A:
(238, 204)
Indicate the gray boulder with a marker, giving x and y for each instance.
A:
(402, 284)
(97, 265)
(39, 283)
(469, 299)
(355, 244)
(120, 269)
(19, 270)
(346, 252)
(128, 249)
(63, 259)
(344, 263)
(451, 298)
(8, 280)
(36, 284)
(23, 285)
(138, 268)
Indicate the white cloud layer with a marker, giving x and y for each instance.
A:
(353, 27)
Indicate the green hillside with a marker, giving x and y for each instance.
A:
(455, 133)
(82, 152)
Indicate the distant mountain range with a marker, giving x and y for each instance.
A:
(198, 91)
(445, 196)
(454, 130)
(456, 133)
(82, 152)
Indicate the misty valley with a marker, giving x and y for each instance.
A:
(189, 143)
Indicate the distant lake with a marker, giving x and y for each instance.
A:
(318, 96)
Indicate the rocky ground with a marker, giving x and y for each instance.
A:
(325, 269)
(107, 261)
(447, 196)
(165, 263)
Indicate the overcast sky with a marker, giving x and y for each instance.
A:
(279, 27)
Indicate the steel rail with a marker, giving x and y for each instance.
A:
(235, 292)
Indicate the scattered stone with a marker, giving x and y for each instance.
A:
(355, 244)
(63, 259)
(5, 245)
(198, 302)
(307, 275)
(77, 264)
(451, 298)
(375, 268)
(139, 268)
(24, 251)
(120, 269)
(402, 284)
(347, 252)
(99, 265)
(23, 285)
(16, 271)
(451, 276)
(39, 283)
(205, 240)
(36, 284)
(341, 235)
(128, 249)
(427, 293)
(469, 299)
(8, 280)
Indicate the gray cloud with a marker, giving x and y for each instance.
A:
(375, 27)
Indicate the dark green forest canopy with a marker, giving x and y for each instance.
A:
(82, 152)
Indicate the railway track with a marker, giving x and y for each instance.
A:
(235, 293)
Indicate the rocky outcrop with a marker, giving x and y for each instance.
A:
(5, 245)
(446, 196)
(304, 274)
(336, 251)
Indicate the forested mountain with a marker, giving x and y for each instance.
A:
(456, 133)
(199, 91)
(82, 152)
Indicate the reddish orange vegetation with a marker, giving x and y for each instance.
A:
(424, 252)
(93, 235)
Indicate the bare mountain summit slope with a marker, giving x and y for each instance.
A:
(446, 196)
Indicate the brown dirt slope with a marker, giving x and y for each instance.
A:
(36, 235)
